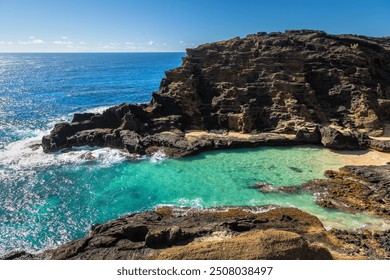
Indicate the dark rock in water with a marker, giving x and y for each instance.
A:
(264, 187)
(269, 188)
(291, 83)
(289, 189)
(295, 169)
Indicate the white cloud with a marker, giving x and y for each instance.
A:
(32, 42)
(111, 45)
(63, 43)
(130, 43)
(6, 43)
(82, 43)
(64, 37)
(165, 44)
(151, 43)
(37, 42)
(32, 37)
(187, 44)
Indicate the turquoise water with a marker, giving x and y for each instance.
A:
(57, 197)
(48, 199)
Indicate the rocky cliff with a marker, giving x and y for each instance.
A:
(315, 87)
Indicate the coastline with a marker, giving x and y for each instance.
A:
(301, 97)
(365, 157)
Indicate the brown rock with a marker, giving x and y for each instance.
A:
(255, 245)
(354, 189)
(287, 82)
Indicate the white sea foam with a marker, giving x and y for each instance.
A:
(193, 203)
(27, 153)
(97, 110)
(158, 157)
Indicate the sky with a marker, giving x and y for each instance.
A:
(173, 25)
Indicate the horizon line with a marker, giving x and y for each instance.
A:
(28, 52)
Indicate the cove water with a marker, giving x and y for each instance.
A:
(48, 199)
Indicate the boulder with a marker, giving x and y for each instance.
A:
(342, 140)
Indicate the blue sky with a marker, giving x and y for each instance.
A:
(173, 25)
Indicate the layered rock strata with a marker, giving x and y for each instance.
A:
(319, 88)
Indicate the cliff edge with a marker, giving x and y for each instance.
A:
(288, 88)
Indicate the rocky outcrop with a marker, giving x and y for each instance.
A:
(354, 189)
(297, 87)
(267, 244)
(329, 89)
(219, 233)
(148, 235)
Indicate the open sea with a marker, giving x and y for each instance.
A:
(49, 199)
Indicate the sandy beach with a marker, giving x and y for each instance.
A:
(366, 157)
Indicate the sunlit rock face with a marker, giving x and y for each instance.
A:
(329, 89)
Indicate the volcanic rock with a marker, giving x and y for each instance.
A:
(219, 233)
(317, 87)
(354, 189)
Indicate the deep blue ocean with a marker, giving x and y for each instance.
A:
(48, 199)
(36, 89)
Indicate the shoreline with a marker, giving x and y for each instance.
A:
(178, 251)
(363, 157)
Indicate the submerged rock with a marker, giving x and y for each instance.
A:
(303, 83)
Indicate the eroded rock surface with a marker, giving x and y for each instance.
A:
(219, 233)
(354, 189)
(329, 89)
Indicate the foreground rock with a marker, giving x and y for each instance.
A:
(219, 233)
(324, 89)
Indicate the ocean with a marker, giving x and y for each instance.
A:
(49, 199)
